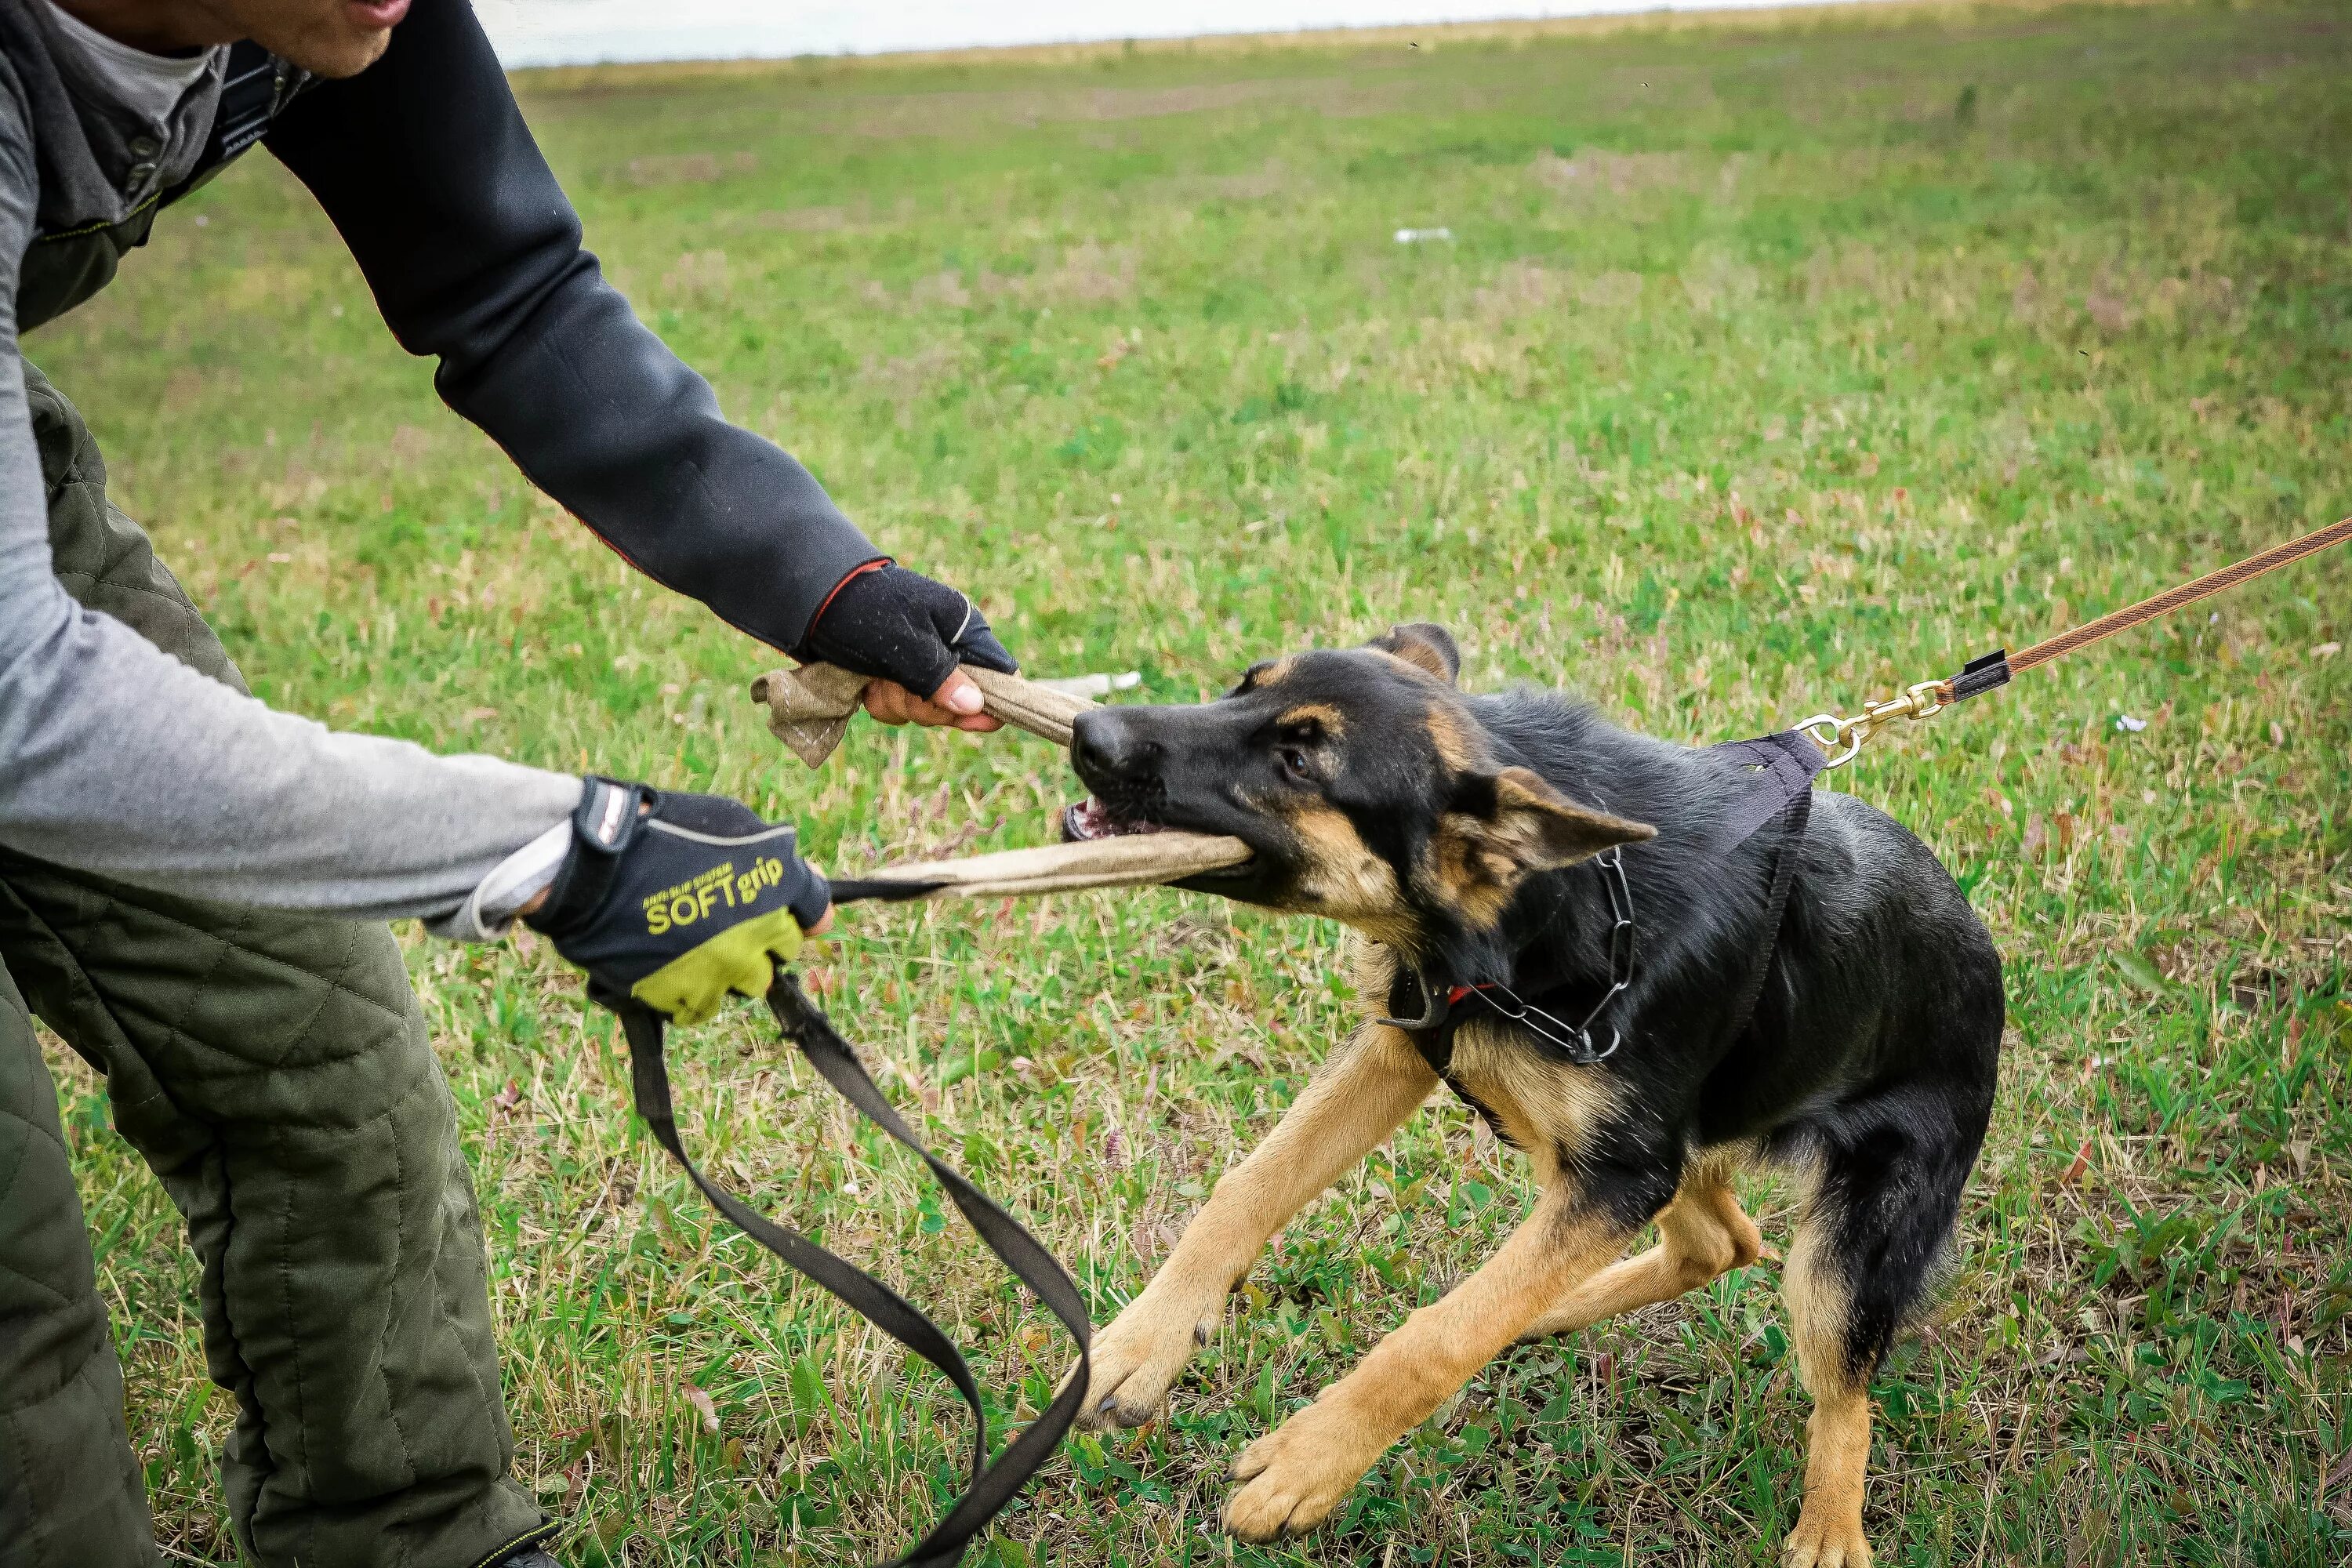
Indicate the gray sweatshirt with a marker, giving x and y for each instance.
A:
(118, 759)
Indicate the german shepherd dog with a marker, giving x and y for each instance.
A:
(1451, 833)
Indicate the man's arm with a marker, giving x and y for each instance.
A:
(425, 165)
(117, 758)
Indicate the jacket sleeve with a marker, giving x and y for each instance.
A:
(474, 253)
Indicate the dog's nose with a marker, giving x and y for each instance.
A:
(1106, 748)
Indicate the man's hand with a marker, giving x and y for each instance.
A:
(675, 901)
(956, 703)
(909, 634)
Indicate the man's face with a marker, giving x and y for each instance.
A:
(330, 37)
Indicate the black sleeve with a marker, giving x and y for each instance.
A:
(473, 252)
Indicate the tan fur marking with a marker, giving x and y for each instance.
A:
(1405, 664)
(1344, 879)
(1272, 675)
(1476, 878)
(1295, 1475)
(1704, 1233)
(1829, 1531)
(1372, 967)
(1366, 1086)
(1456, 747)
(1334, 722)
(1407, 642)
(1545, 1106)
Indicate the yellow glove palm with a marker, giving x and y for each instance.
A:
(741, 960)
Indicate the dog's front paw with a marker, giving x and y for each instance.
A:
(1139, 1356)
(1822, 1540)
(1293, 1477)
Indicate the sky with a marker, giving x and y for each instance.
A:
(568, 32)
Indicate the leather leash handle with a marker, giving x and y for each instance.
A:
(2187, 592)
(1995, 668)
(1844, 738)
(993, 1484)
(809, 708)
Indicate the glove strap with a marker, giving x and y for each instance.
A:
(607, 820)
(994, 1485)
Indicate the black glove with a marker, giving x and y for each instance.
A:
(887, 622)
(676, 899)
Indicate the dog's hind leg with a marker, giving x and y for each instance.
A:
(1887, 1176)
(1703, 1233)
(1367, 1087)
(1819, 1299)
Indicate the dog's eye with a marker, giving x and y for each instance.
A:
(1294, 764)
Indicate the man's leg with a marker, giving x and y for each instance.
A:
(70, 1490)
(276, 1072)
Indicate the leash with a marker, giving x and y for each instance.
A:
(1843, 739)
(993, 1483)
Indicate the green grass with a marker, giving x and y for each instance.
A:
(1774, 362)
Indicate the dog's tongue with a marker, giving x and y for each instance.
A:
(1090, 819)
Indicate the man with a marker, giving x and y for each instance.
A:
(169, 846)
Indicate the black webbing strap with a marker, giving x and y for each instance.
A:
(1790, 761)
(995, 1484)
(1786, 761)
(876, 889)
(251, 80)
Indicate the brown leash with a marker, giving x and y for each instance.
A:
(1843, 738)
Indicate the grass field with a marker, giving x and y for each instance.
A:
(1772, 362)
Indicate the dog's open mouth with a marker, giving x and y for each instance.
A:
(1091, 820)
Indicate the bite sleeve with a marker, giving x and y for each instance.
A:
(473, 255)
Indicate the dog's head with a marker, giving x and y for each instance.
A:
(1361, 779)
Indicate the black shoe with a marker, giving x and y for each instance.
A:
(531, 1557)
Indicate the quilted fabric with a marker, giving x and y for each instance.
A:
(275, 1072)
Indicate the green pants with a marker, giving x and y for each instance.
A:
(274, 1071)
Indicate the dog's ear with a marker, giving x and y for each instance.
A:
(1423, 643)
(1515, 823)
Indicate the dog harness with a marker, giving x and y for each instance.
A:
(1537, 999)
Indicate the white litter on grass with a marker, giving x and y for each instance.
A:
(2129, 725)
(1422, 235)
(1094, 684)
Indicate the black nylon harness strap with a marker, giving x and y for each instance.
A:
(995, 1484)
(1790, 761)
